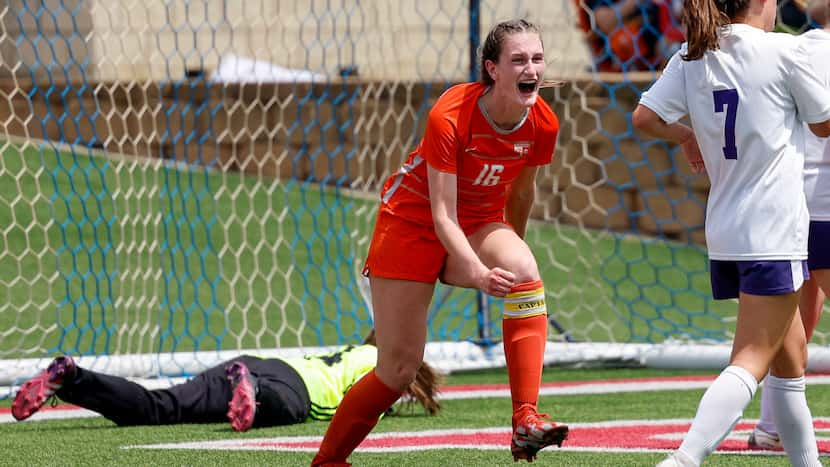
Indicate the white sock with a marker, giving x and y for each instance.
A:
(720, 409)
(767, 421)
(793, 419)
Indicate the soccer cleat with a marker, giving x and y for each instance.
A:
(762, 440)
(534, 432)
(34, 393)
(242, 407)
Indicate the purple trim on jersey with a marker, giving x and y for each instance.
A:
(755, 277)
(818, 245)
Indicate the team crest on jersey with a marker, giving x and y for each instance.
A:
(522, 148)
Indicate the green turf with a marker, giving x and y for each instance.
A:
(105, 255)
(99, 442)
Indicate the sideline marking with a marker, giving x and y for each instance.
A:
(58, 412)
(612, 436)
(606, 386)
(478, 391)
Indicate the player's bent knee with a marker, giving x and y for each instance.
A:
(398, 375)
(526, 273)
(523, 267)
(791, 360)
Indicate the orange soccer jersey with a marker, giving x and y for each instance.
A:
(460, 139)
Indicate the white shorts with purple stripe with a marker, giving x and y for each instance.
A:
(729, 278)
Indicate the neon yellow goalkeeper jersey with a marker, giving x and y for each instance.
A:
(329, 376)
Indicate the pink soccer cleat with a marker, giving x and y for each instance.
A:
(533, 432)
(242, 407)
(34, 393)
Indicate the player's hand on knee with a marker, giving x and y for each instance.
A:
(497, 282)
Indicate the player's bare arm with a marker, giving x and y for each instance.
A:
(822, 129)
(647, 121)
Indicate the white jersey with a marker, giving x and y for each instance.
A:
(745, 101)
(817, 150)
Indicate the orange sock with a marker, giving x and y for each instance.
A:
(525, 328)
(359, 412)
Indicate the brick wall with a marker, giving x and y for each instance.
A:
(152, 40)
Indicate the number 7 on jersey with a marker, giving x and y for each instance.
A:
(727, 100)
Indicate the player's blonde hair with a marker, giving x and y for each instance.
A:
(424, 390)
(704, 19)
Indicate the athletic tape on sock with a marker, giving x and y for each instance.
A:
(525, 300)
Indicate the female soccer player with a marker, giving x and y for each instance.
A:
(817, 190)
(457, 211)
(247, 391)
(744, 90)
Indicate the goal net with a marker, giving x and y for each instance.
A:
(182, 180)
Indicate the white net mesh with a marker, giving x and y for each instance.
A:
(202, 174)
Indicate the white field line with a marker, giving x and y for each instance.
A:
(490, 391)
(602, 387)
(468, 438)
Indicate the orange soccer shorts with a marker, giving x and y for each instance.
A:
(402, 249)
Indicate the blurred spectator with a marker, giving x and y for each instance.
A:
(670, 14)
(630, 35)
(792, 16)
(819, 11)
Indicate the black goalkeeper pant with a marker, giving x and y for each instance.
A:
(282, 396)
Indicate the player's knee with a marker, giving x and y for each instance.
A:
(524, 268)
(399, 373)
(527, 274)
(791, 359)
(400, 378)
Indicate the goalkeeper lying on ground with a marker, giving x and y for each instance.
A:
(248, 391)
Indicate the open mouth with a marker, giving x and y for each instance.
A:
(527, 86)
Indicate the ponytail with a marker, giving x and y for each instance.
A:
(703, 20)
(424, 390)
